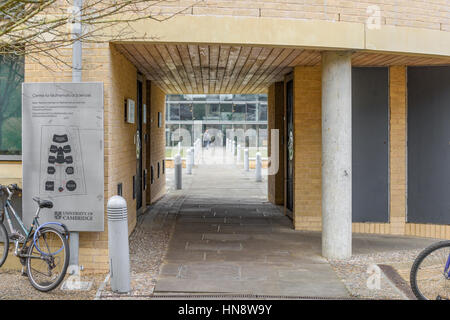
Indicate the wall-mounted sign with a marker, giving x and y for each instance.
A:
(62, 153)
(131, 107)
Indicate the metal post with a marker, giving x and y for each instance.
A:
(178, 171)
(76, 77)
(189, 161)
(119, 251)
(246, 163)
(258, 167)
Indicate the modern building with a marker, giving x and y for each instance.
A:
(360, 92)
(242, 115)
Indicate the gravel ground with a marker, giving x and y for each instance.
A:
(14, 286)
(355, 273)
(148, 245)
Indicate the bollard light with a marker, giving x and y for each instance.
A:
(119, 252)
(258, 167)
(246, 163)
(178, 171)
(189, 161)
(238, 154)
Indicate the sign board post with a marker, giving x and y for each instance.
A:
(62, 157)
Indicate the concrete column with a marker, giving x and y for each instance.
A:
(336, 155)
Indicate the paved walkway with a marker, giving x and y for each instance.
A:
(229, 240)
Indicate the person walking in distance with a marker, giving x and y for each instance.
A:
(206, 139)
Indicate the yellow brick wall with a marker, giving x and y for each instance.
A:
(307, 148)
(428, 14)
(101, 62)
(120, 135)
(431, 14)
(307, 105)
(11, 172)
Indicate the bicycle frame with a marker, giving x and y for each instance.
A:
(8, 207)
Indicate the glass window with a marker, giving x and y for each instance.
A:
(212, 97)
(251, 112)
(186, 132)
(199, 97)
(185, 111)
(226, 97)
(239, 112)
(262, 97)
(226, 111)
(245, 97)
(262, 112)
(175, 97)
(212, 111)
(11, 78)
(199, 111)
(187, 97)
(262, 136)
(171, 138)
(174, 109)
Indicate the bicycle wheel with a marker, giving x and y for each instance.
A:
(4, 244)
(47, 266)
(429, 277)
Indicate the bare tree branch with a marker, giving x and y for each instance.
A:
(41, 26)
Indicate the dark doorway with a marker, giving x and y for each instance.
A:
(370, 144)
(289, 145)
(429, 145)
(139, 147)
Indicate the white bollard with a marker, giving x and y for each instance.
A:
(238, 154)
(234, 148)
(246, 163)
(193, 156)
(178, 171)
(119, 251)
(189, 161)
(258, 167)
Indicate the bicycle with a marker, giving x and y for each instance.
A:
(43, 250)
(430, 272)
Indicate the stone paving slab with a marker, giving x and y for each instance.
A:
(229, 239)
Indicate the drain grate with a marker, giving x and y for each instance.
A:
(231, 296)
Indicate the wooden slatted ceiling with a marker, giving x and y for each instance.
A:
(188, 68)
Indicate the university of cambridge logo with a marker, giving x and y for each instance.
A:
(58, 215)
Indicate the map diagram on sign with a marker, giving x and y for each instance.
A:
(62, 171)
